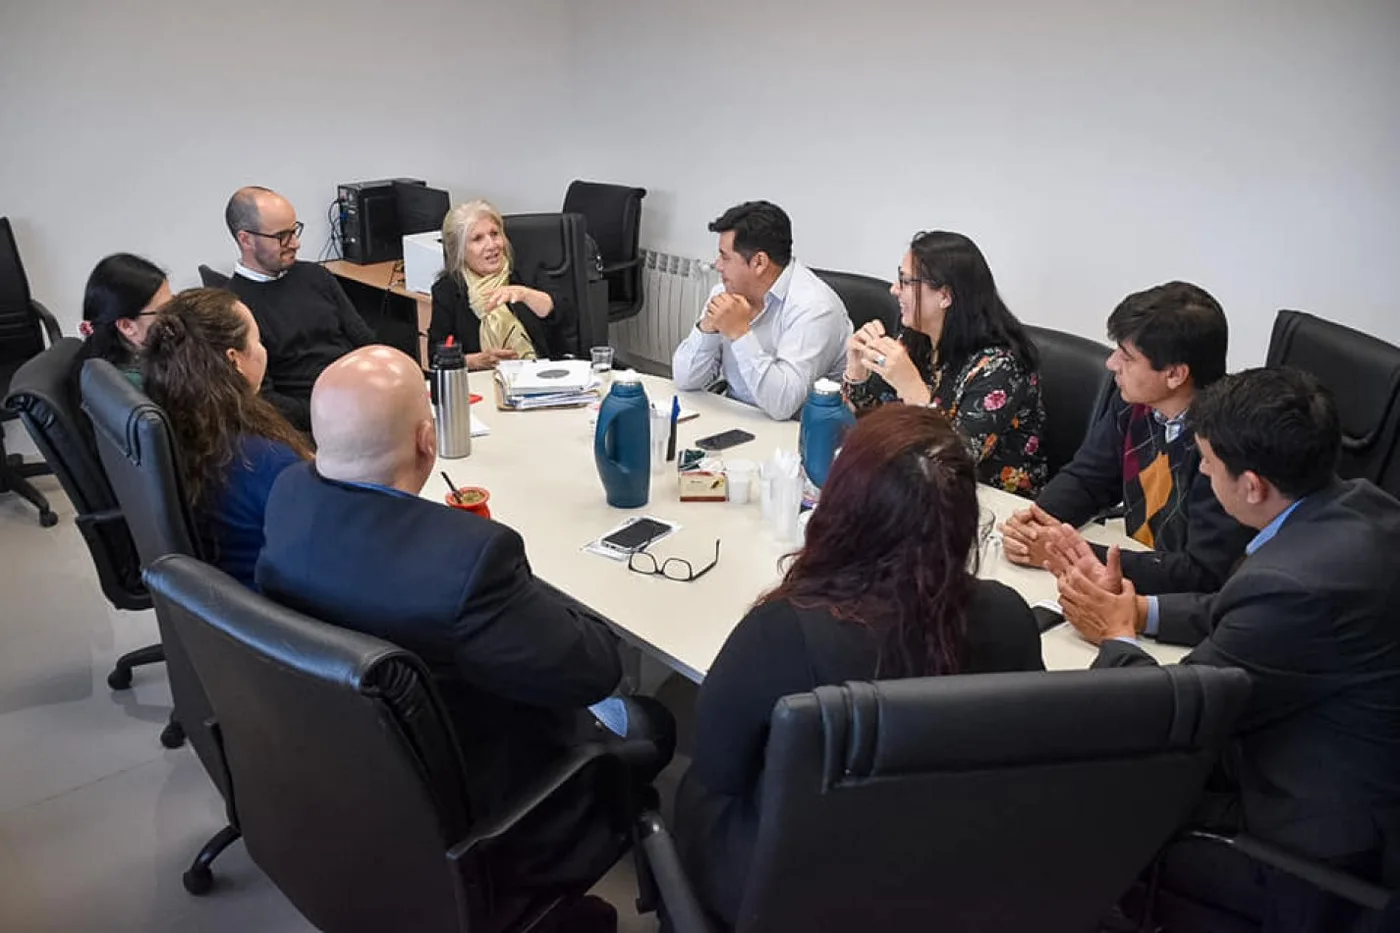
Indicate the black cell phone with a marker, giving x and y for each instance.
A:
(1046, 618)
(636, 536)
(724, 441)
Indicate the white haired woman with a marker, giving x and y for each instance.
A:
(481, 301)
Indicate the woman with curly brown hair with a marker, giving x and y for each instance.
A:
(204, 362)
(884, 588)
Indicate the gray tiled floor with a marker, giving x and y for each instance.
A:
(97, 821)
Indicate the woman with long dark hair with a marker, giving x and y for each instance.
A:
(884, 588)
(121, 299)
(961, 350)
(203, 364)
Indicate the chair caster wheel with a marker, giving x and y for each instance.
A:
(120, 679)
(173, 736)
(48, 519)
(198, 881)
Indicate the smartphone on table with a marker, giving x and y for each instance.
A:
(725, 440)
(636, 535)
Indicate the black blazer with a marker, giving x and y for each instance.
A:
(513, 662)
(775, 651)
(453, 314)
(1312, 616)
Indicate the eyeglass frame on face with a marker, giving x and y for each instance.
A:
(659, 569)
(904, 282)
(283, 237)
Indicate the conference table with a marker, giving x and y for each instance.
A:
(539, 469)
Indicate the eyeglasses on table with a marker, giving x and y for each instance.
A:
(672, 568)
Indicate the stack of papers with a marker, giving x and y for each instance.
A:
(527, 384)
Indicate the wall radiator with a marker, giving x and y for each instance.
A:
(674, 289)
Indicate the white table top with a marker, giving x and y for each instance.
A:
(539, 469)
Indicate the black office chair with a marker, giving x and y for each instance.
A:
(1363, 373)
(1170, 909)
(24, 322)
(136, 447)
(551, 251)
(44, 395)
(212, 278)
(613, 216)
(985, 802)
(350, 783)
(1074, 386)
(866, 298)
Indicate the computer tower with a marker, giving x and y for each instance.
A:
(369, 220)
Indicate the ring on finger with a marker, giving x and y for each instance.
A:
(880, 361)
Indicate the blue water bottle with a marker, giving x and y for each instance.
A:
(622, 444)
(825, 419)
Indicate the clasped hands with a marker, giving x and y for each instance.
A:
(870, 349)
(728, 314)
(1094, 595)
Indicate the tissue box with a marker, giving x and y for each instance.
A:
(703, 486)
(422, 260)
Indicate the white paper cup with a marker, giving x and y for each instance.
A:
(787, 500)
(660, 435)
(740, 476)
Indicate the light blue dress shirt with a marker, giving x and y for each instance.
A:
(1264, 536)
(798, 337)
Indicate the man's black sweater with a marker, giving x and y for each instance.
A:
(307, 323)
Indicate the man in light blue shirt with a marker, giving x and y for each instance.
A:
(771, 328)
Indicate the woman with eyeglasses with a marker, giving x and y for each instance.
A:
(959, 350)
(121, 299)
(203, 365)
(884, 588)
(481, 300)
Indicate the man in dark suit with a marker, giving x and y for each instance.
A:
(1311, 614)
(349, 541)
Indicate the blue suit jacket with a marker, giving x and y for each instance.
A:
(1312, 617)
(512, 660)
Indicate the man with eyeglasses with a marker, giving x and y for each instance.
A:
(306, 320)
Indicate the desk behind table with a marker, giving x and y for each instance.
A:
(399, 317)
(538, 466)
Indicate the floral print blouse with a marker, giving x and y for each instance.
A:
(995, 403)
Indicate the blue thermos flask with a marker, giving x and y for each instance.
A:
(825, 420)
(622, 443)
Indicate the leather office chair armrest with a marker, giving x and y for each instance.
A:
(49, 321)
(468, 856)
(105, 517)
(1332, 880)
(663, 874)
(607, 268)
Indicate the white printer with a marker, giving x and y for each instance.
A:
(422, 260)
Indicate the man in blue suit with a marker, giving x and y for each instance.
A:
(349, 541)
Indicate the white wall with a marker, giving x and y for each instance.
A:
(126, 126)
(1090, 147)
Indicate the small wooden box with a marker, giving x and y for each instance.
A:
(703, 486)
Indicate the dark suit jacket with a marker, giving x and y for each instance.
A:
(1312, 616)
(513, 663)
(453, 314)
